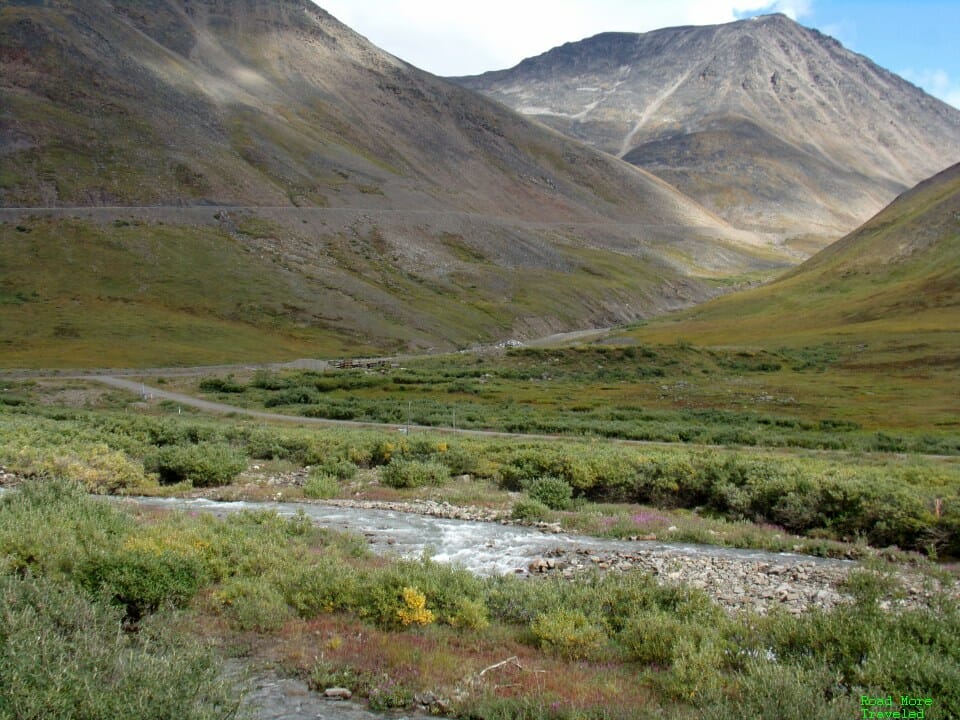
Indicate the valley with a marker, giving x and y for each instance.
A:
(322, 376)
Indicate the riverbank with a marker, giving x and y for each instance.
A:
(587, 632)
(738, 581)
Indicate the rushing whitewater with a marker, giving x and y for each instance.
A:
(485, 548)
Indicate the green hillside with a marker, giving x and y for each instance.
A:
(228, 182)
(897, 275)
(81, 293)
(877, 314)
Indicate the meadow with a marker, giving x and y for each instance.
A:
(109, 607)
(820, 397)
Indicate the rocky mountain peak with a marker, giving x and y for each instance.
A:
(773, 125)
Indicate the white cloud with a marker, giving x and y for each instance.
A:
(937, 82)
(794, 9)
(461, 38)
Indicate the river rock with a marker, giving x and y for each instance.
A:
(9, 478)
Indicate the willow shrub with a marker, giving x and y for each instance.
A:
(65, 656)
(401, 473)
(204, 464)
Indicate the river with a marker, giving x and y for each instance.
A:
(485, 548)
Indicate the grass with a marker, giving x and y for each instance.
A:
(892, 282)
(131, 294)
(820, 396)
(134, 293)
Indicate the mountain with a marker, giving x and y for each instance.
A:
(334, 197)
(894, 281)
(772, 125)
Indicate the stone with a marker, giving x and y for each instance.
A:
(426, 699)
(538, 566)
(337, 693)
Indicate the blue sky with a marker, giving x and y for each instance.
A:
(917, 39)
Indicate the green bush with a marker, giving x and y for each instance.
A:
(62, 656)
(204, 464)
(553, 492)
(142, 581)
(338, 468)
(266, 380)
(786, 691)
(272, 445)
(326, 586)
(223, 385)
(530, 510)
(568, 633)
(463, 461)
(253, 604)
(49, 527)
(402, 473)
(320, 486)
(650, 637)
(469, 613)
(293, 396)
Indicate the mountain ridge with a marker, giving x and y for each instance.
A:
(714, 109)
(284, 114)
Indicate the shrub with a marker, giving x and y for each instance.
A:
(252, 604)
(414, 473)
(266, 380)
(470, 614)
(414, 609)
(61, 656)
(223, 385)
(204, 464)
(463, 461)
(48, 527)
(768, 688)
(384, 451)
(650, 637)
(273, 445)
(327, 586)
(568, 633)
(553, 492)
(530, 510)
(293, 396)
(96, 466)
(320, 486)
(142, 581)
(339, 468)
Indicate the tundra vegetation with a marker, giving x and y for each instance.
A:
(818, 397)
(164, 595)
(91, 588)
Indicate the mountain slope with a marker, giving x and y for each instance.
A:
(381, 206)
(896, 276)
(252, 103)
(774, 126)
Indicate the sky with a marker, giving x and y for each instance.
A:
(917, 39)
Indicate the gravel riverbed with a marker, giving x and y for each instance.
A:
(739, 580)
